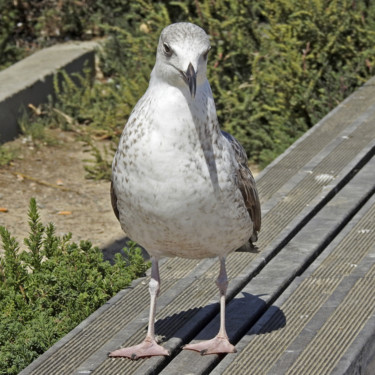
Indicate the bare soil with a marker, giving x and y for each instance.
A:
(55, 177)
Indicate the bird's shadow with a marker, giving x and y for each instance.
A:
(203, 322)
(241, 318)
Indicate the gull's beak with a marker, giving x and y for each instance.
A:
(190, 77)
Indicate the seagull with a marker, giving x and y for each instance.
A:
(180, 186)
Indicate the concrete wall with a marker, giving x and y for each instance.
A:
(31, 80)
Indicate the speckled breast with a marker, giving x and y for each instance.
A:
(176, 195)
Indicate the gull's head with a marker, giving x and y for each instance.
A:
(181, 58)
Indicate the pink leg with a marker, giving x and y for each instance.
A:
(149, 347)
(220, 343)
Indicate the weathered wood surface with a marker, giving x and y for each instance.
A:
(303, 304)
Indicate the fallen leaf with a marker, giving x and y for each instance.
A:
(3, 209)
(64, 213)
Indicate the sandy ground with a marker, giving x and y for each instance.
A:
(55, 176)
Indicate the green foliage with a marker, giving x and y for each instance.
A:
(46, 290)
(276, 67)
(7, 154)
(36, 128)
(89, 107)
(9, 51)
(28, 25)
(98, 168)
(313, 54)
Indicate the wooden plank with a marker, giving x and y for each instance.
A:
(277, 275)
(335, 150)
(309, 306)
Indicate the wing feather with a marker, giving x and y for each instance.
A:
(114, 202)
(246, 184)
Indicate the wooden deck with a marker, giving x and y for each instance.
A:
(303, 304)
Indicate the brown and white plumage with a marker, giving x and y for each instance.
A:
(246, 184)
(180, 186)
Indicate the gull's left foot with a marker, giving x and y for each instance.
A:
(217, 345)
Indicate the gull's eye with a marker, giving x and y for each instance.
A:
(206, 54)
(167, 50)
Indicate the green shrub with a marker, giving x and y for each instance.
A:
(28, 25)
(276, 67)
(46, 290)
(98, 168)
(312, 55)
(7, 154)
(9, 51)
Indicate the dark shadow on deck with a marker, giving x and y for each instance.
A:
(167, 327)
